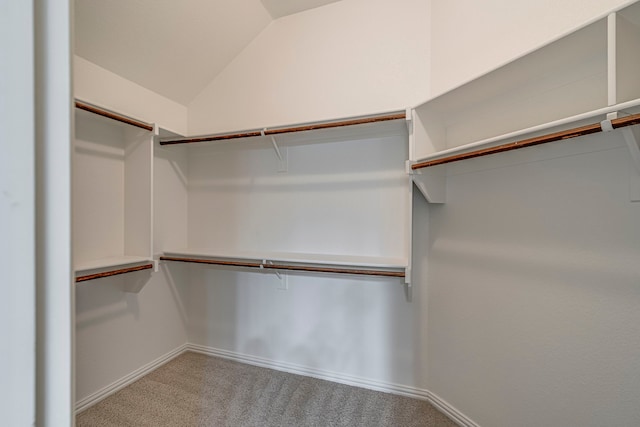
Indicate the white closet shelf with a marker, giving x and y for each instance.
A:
(489, 146)
(112, 266)
(566, 77)
(82, 105)
(391, 123)
(321, 263)
(117, 261)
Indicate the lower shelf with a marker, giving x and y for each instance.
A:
(369, 266)
(109, 273)
(111, 266)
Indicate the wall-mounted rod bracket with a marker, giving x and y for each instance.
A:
(432, 183)
(283, 283)
(268, 263)
(275, 144)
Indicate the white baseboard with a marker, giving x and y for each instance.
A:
(417, 393)
(99, 395)
(450, 411)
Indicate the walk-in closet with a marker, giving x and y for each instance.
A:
(343, 212)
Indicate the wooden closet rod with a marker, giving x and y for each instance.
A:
(328, 125)
(113, 272)
(209, 138)
(212, 262)
(278, 131)
(287, 267)
(114, 116)
(335, 270)
(552, 137)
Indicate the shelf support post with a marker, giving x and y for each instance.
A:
(408, 116)
(611, 59)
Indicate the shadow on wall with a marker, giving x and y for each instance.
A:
(351, 326)
(170, 271)
(102, 300)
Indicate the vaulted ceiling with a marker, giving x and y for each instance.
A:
(174, 48)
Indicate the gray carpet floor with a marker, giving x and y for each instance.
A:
(199, 390)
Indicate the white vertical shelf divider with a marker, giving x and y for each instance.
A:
(611, 62)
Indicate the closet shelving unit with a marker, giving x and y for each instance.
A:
(112, 189)
(582, 83)
(327, 197)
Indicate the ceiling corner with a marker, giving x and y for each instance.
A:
(280, 8)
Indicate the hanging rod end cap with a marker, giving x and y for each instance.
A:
(407, 165)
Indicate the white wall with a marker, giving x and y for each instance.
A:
(98, 188)
(348, 58)
(117, 332)
(340, 198)
(470, 37)
(347, 325)
(533, 288)
(103, 88)
(17, 215)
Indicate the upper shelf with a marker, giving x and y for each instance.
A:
(565, 78)
(113, 115)
(391, 123)
(559, 85)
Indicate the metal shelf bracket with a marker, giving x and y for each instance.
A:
(283, 164)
